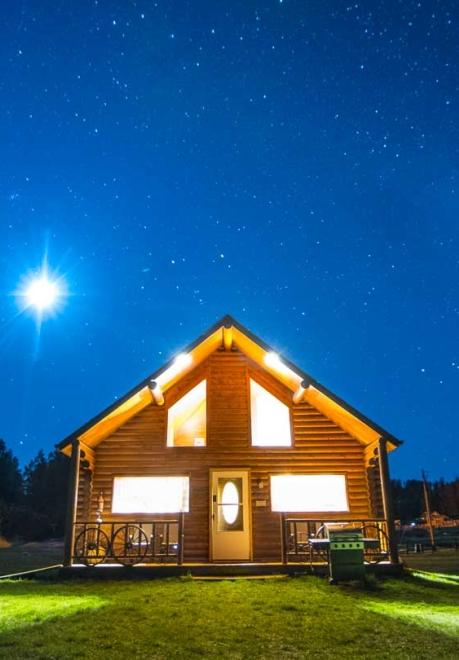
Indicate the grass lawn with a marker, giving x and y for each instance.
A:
(26, 556)
(415, 617)
(444, 560)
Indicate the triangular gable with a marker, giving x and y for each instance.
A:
(226, 333)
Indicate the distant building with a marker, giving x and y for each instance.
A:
(438, 520)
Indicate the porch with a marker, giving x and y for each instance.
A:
(155, 548)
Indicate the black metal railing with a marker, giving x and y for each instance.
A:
(301, 538)
(129, 542)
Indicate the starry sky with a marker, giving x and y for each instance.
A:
(294, 164)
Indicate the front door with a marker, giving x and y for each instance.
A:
(230, 515)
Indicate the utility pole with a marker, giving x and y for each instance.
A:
(428, 512)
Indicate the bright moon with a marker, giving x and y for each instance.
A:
(42, 293)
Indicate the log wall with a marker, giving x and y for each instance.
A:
(319, 446)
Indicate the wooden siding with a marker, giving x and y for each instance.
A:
(319, 446)
(84, 494)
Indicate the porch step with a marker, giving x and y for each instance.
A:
(232, 578)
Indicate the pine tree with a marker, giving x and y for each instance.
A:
(10, 476)
(45, 484)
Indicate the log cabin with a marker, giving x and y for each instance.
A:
(228, 454)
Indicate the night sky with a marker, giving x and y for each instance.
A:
(294, 164)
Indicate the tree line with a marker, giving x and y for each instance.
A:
(409, 503)
(33, 500)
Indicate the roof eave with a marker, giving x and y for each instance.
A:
(228, 321)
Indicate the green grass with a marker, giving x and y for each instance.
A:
(416, 617)
(27, 556)
(444, 560)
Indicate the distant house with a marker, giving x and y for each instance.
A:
(228, 453)
(439, 520)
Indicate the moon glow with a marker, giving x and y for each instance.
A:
(42, 293)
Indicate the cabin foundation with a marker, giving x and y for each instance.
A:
(212, 570)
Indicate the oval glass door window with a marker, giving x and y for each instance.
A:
(230, 503)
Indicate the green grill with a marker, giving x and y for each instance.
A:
(346, 561)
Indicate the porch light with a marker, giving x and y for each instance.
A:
(181, 362)
(273, 361)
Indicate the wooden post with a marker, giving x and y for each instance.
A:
(387, 499)
(283, 539)
(157, 393)
(227, 337)
(180, 535)
(72, 499)
(428, 511)
(299, 393)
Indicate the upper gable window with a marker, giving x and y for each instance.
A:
(270, 419)
(186, 423)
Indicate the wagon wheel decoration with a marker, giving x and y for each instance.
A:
(129, 545)
(91, 546)
(376, 544)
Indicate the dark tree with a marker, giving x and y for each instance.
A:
(45, 485)
(408, 498)
(10, 476)
(448, 498)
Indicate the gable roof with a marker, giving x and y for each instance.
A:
(226, 332)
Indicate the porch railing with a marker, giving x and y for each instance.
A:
(129, 542)
(301, 538)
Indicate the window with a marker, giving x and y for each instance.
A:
(270, 419)
(150, 494)
(186, 425)
(229, 505)
(308, 493)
